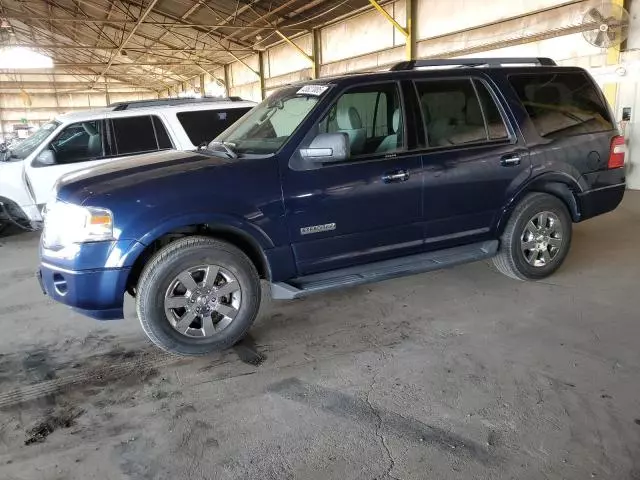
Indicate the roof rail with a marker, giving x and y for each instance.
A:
(118, 106)
(472, 62)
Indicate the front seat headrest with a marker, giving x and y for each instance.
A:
(348, 119)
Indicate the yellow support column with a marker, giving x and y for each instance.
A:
(409, 32)
(412, 47)
(263, 90)
(613, 57)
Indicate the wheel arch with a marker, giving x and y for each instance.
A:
(13, 210)
(239, 237)
(561, 186)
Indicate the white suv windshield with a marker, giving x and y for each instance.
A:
(23, 149)
(268, 126)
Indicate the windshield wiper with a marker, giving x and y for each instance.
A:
(226, 147)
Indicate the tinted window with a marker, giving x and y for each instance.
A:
(78, 142)
(454, 115)
(202, 126)
(495, 124)
(161, 134)
(372, 118)
(134, 135)
(562, 104)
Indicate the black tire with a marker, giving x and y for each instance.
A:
(3, 226)
(176, 257)
(510, 259)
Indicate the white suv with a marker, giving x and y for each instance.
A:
(75, 141)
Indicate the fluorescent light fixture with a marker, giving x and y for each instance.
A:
(18, 58)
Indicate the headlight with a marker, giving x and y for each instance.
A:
(65, 224)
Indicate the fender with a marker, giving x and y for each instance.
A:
(560, 184)
(176, 222)
(12, 184)
(14, 189)
(249, 232)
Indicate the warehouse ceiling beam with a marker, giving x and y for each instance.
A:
(388, 16)
(156, 72)
(130, 34)
(136, 64)
(176, 19)
(168, 30)
(154, 77)
(101, 29)
(74, 60)
(65, 72)
(287, 39)
(295, 45)
(102, 21)
(239, 10)
(41, 30)
(98, 31)
(59, 85)
(263, 18)
(64, 46)
(409, 32)
(208, 33)
(280, 19)
(89, 76)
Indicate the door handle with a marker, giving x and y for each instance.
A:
(397, 176)
(510, 160)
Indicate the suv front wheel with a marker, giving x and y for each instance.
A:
(197, 295)
(536, 238)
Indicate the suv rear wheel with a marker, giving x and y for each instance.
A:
(536, 238)
(197, 295)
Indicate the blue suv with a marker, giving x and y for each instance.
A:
(337, 182)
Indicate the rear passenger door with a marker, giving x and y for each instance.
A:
(474, 161)
(136, 135)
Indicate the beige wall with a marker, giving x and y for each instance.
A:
(38, 105)
(367, 41)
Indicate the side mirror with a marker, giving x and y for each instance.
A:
(46, 157)
(327, 148)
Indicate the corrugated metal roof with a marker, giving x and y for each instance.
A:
(156, 43)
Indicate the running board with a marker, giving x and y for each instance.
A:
(384, 270)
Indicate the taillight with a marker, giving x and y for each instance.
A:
(616, 155)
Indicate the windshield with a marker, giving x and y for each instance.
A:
(23, 149)
(268, 126)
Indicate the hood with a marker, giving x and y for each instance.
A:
(77, 187)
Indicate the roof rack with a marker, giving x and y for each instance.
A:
(472, 62)
(118, 106)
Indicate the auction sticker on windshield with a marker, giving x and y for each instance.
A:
(312, 90)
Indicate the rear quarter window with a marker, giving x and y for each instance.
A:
(562, 104)
(202, 126)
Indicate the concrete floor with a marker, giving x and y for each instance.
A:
(462, 373)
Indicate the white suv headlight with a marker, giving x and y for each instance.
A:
(65, 224)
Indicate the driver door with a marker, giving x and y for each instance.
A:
(368, 207)
(79, 145)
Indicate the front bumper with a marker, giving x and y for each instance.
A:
(97, 294)
(90, 278)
